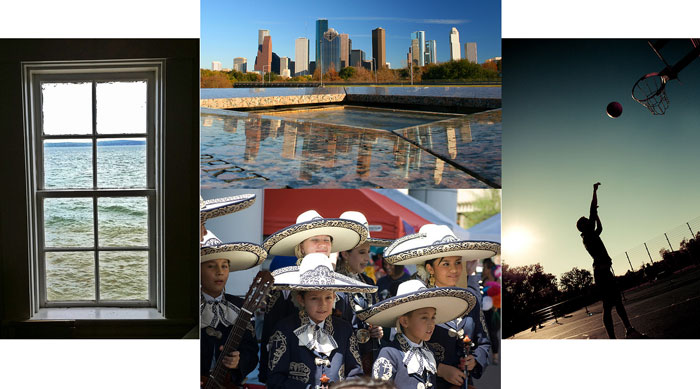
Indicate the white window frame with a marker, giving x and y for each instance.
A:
(34, 73)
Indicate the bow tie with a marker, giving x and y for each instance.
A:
(215, 312)
(418, 359)
(315, 339)
(455, 334)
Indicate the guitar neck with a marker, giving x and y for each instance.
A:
(238, 328)
(258, 290)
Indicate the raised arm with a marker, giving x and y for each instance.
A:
(594, 218)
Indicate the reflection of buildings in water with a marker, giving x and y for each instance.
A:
(208, 121)
(252, 143)
(240, 125)
(275, 125)
(229, 125)
(318, 150)
(451, 142)
(439, 168)
(289, 141)
(364, 154)
(465, 131)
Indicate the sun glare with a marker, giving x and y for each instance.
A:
(516, 241)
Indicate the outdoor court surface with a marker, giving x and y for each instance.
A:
(667, 309)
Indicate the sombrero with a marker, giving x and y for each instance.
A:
(315, 273)
(449, 303)
(240, 255)
(437, 241)
(209, 209)
(345, 234)
(360, 218)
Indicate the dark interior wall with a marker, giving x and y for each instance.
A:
(181, 185)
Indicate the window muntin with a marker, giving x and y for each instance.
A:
(95, 192)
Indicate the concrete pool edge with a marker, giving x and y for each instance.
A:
(336, 96)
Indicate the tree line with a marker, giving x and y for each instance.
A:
(460, 71)
(530, 288)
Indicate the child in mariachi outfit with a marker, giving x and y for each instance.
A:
(439, 257)
(311, 233)
(352, 263)
(407, 360)
(313, 349)
(219, 310)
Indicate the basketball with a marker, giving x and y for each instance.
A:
(614, 109)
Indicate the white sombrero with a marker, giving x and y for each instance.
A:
(315, 273)
(449, 304)
(360, 218)
(240, 255)
(209, 209)
(346, 234)
(437, 241)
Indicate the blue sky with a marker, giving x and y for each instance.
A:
(558, 141)
(230, 29)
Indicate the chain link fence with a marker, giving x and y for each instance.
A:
(650, 251)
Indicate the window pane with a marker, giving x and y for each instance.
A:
(122, 221)
(121, 163)
(121, 107)
(67, 164)
(70, 276)
(68, 222)
(66, 108)
(123, 275)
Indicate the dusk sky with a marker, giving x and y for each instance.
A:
(558, 141)
(230, 29)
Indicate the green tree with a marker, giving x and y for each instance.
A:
(484, 207)
(347, 72)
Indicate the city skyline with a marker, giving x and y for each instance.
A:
(476, 22)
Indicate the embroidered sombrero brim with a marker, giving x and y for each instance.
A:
(241, 256)
(347, 234)
(289, 278)
(449, 304)
(467, 249)
(209, 209)
(379, 242)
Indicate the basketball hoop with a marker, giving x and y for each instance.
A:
(650, 91)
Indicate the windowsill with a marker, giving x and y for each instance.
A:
(97, 313)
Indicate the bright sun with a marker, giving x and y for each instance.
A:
(516, 240)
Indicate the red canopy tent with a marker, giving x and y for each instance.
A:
(387, 219)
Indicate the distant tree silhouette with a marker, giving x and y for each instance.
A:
(526, 289)
(575, 281)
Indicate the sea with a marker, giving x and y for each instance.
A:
(122, 222)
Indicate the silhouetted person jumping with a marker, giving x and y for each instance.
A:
(605, 281)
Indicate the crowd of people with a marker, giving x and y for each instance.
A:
(348, 313)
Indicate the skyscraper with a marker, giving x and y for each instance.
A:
(470, 52)
(420, 36)
(261, 38)
(215, 65)
(415, 52)
(240, 64)
(275, 64)
(379, 47)
(263, 61)
(430, 52)
(454, 45)
(301, 56)
(330, 50)
(321, 28)
(344, 50)
(356, 58)
(284, 67)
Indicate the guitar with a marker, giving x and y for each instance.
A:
(219, 376)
